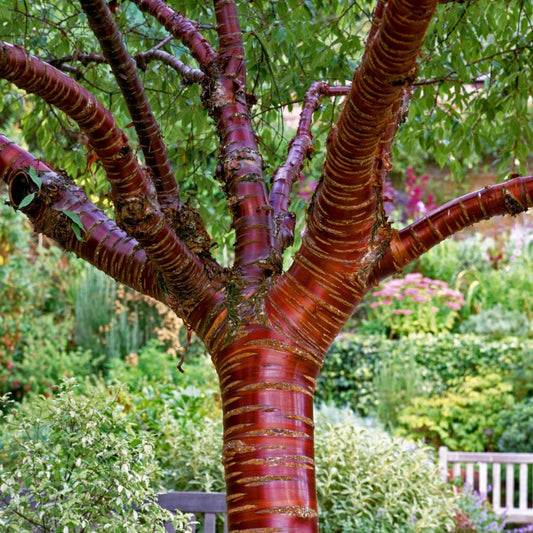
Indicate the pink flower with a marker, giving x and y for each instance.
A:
(420, 299)
(413, 276)
(386, 301)
(373, 305)
(411, 291)
(9, 364)
(453, 305)
(402, 312)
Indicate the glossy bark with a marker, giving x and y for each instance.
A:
(268, 331)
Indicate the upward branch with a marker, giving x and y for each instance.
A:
(147, 128)
(344, 234)
(241, 165)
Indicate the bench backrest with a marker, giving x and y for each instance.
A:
(207, 503)
(472, 467)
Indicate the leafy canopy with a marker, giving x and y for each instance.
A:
(470, 100)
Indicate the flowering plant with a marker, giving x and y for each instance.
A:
(412, 304)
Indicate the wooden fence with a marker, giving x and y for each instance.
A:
(501, 490)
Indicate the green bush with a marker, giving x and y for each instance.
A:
(74, 463)
(467, 418)
(348, 374)
(154, 365)
(498, 322)
(369, 481)
(517, 435)
(453, 256)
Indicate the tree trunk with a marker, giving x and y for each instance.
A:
(267, 386)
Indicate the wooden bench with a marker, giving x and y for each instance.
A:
(206, 503)
(472, 467)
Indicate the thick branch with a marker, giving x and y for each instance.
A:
(241, 165)
(182, 28)
(509, 198)
(125, 71)
(103, 243)
(343, 237)
(346, 201)
(58, 89)
(231, 49)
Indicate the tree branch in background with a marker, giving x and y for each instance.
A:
(182, 29)
(99, 241)
(510, 198)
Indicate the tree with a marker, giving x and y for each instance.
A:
(267, 328)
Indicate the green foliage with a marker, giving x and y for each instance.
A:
(411, 305)
(517, 435)
(75, 463)
(398, 381)
(369, 481)
(113, 320)
(348, 374)
(154, 366)
(467, 418)
(488, 272)
(498, 322)
(453, 118)
(453, 256)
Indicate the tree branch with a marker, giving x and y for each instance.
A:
(240, 166)
(187, 281)
(125, 72)
(103, 243)
(182, 28)
(510, 198)
(189, 75)
(300, 149)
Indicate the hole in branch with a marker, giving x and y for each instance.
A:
(21, 187)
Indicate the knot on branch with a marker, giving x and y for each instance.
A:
(512, 205)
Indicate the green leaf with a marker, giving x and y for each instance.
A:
(35, 178)
(77, 225)
(27, 200)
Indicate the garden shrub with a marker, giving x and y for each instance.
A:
(410, 305)
(153, 364)
(517, 435)
(466, 419)
(397, 382)
(347, 377)
(497, 322)
(369, 481)
(74, 463)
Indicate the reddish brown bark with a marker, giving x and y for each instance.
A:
(267, 331)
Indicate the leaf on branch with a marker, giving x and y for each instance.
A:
(35, 178)
(77, 225)
(26, 200)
